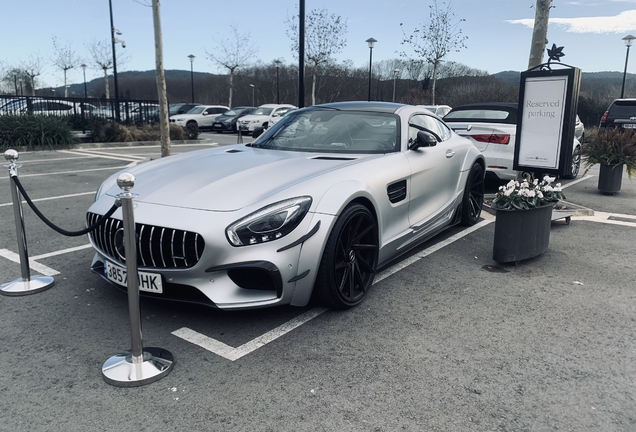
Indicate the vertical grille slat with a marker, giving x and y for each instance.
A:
(157, 247)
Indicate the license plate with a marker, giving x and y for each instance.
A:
(150, 282)
(243, 128)
(629, 126)
(217, 125)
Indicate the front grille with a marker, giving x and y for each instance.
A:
(157, 247)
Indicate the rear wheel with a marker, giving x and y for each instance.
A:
(348, 263)
(473, 199)
(576, 164)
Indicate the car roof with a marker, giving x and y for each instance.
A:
(385, 107)
(275, 105)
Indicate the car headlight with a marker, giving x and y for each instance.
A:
(269, 223)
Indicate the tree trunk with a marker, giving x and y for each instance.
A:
(540, 32)
(65, 88)
(435, 65)
(229, 104)
(313, 87)
(106, 83)
(164, 124)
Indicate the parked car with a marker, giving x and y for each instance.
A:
(579, 130)
(493, 130)
(181, 108)
(201, 116)
(440, 110)
(311, 209)
(228, 120)
(620, 113)
(258, 131)
(261, 116)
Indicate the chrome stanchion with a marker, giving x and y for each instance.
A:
(26, 284)
(140, 365)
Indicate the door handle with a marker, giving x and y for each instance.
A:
(450, 153)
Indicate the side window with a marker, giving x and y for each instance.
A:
(219, 110)
(209, 111)
(419, 122)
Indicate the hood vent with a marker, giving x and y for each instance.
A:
(333, 158)
(234, 151)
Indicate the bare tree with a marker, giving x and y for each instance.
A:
(434, 40)
(324, 37)
(33, 68)
(233, 53)
(102, 56)
(13, 78)
(64, 58)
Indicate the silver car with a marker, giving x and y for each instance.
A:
(312, 208)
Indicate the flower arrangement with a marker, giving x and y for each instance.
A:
(527, 194)
(613, 146)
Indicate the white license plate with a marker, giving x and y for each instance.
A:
(629, 126)
(150, 282)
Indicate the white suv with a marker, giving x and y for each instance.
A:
(201, 116)
(262, 115)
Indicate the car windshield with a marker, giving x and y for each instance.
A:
(262, 111)
(197, 110)
(234, 112)
(332, 131)
(486, 115)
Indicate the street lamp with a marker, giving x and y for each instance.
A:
(191, 57)
(83, 66)
(252, 85)
(629, 39)
(396, 71)
(114, 41)
(370, 42)
(278, 62)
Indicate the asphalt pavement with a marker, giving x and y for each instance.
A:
(447, 340)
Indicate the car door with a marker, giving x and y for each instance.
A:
(434, 172)
(208, 117)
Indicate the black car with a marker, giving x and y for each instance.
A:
(621, 113)
(226, 122)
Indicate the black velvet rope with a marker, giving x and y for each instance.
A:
(86, 230)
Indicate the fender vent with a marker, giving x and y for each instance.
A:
(397, 191)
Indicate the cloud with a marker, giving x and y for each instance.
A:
(622, 23)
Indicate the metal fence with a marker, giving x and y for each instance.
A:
(79, 111)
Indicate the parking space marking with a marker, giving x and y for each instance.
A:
(104, 155)
(81, 171)
(40, 268)
(62, 251)
(603, 217)
(233, 354)
(576, 181)
(53, 198)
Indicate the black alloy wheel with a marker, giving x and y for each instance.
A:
(349, 262)
(473, 199)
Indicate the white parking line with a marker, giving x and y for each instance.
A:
(80, 171)
(576, 181)
(61, 252)
(53, 198)
(40, 268)
(603, 217)
(104, 155)
(233, 354)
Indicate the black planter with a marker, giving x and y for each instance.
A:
(610, 178)
(521, 234)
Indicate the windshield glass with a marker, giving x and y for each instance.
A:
(331, 131)
(234, 112)
(483, 115)
(262, 111)
(197, 110)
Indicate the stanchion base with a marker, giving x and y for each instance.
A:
(120, 371)
(20, 287)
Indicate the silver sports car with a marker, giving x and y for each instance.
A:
(309, 210)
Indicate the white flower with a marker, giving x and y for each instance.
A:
(539, 194)
(508, 192)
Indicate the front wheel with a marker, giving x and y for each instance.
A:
(350, 258)
(473, 199)
(576, 164)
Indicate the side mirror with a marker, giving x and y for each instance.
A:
(424, 139)
(204, 113)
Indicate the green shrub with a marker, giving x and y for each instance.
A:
(35, 132)
(102, 131)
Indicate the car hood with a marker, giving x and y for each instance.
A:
(229, 178)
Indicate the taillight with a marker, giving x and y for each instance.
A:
(604, 118)
(492, 138)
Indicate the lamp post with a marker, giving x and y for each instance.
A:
(371, 42)
(396, 71)
(252, 85)
(191, 57)
(278, 62)
(629, 39)
(114, 41)
(83, 66)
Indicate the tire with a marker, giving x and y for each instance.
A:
(473, 199)
(576, 165)
(192, 129)
(348, 264)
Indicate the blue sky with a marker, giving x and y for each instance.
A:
(499, 31)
